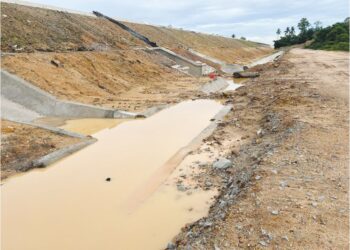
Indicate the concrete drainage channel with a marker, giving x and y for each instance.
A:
(147, 149)
(18, 91)
(126, 222)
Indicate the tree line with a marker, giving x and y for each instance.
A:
(335, 37)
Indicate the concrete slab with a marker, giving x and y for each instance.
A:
(13, 111)
(215, 86)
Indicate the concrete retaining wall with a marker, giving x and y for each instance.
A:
(225, 67)
(215, 86)
(194, 68)
(19, 91)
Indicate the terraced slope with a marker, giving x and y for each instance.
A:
(226, 49)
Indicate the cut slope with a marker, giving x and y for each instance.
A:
(226, 49)
(28, 28)
(126, 79)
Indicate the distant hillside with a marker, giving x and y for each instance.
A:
(335, 37)
(223, 48)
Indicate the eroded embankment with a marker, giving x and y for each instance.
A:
(125, 80)
(288, 187)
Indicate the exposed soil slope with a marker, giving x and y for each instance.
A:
(289, 185)
(25, 29)
(223, 48)
(128, 80)
(21, 144)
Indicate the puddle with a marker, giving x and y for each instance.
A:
(70, 205)
(89, 126)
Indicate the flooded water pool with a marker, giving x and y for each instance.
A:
(90, 126)
(71, 205)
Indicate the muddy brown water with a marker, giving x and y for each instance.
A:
(90, 126)
(70, 205)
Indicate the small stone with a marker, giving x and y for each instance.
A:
(283, 184)
(208, 184)
(260, 132)
(181, 188)
(275, 212)
(258, 177)
(314, 204)
(266, 234)
(56, 63)
(207, 224)
(274, 171)
(171, 246)
(285, 237)
(222, 163)
(263, 243)
(108, 179)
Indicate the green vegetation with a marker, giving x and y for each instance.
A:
(335, 37)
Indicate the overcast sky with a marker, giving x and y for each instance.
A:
(256, 20)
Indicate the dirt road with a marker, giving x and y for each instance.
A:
(289, 185)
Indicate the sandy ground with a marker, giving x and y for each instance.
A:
(21, 144)
(289, 185)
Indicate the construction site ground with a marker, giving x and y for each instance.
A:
(287, 133)
(288, 136)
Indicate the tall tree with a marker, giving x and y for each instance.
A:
(318, 25)
(303, 25)
(278, 32)
(287, 31)
(292, 31)
(233, 36)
